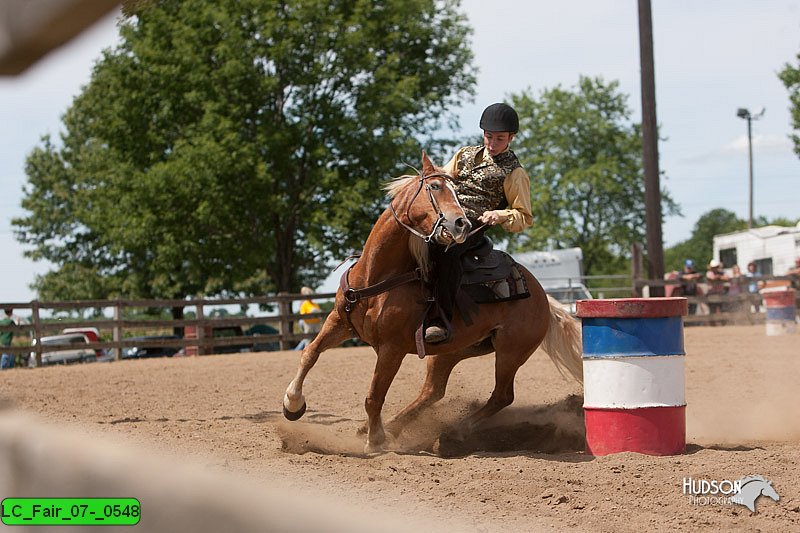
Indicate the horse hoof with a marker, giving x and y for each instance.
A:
(296, 415)
(373, 449)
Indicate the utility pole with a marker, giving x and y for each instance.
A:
(652, 187)
(744, 113)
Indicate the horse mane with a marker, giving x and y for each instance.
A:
(417, 246)
(745, 480)
(393, 187)
(419, 249)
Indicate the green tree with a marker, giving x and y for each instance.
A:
(790, 76)
(239, 146)
(700, 245)
(584, 156)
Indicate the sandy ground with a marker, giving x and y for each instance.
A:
(525, 470)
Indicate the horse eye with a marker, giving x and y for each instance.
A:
(435, 186)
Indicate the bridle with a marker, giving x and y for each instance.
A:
(351, 296)
(422, 183)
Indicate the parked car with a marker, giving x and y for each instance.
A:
(79, 350)
(263, 329)
(569, 295)
(230, 331)
(140, 352)
(223, 332)
(93, 334)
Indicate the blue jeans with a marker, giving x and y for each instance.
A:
(302, 344)
(7, 361)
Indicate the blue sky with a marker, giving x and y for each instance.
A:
(711, 57)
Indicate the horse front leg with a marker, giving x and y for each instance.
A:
(333, 333)
(385, 371)
(439, 368)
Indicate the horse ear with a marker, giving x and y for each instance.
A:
(427, 166)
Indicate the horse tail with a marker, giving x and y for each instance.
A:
(563, 341)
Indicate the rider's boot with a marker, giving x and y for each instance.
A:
(435, 333)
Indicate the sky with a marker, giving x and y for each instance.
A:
(711, 58)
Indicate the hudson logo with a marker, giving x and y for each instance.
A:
(743, 491)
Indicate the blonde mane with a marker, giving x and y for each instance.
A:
(417, 246)
(419, 249)
(394, 186)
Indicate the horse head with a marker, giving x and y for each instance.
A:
(769, 491)
(427, 205)
(751, 488)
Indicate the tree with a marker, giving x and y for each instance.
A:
(790, 76)
(700, 246)
(584, 156)
(239, 146)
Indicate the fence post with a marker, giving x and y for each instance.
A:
(200, 329)
(285, 309)
(637, 268)
(117, 330)
(37, 332)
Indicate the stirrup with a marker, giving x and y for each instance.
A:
(435, 334)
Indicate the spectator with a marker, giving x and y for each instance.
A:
(308, 325)
(754, 283)
(689, 277)
(794, 273)
(736, 280)
(6, 360)
(716, 279)
(735, 288)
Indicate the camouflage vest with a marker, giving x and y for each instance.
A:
(480, 186)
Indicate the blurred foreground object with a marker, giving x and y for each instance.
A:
(29, 29)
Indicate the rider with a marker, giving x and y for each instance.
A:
(493, 189)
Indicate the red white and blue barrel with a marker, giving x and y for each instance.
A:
(633, 375)
(781, 310)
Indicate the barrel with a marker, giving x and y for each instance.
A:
(781, 310)
(633, 373)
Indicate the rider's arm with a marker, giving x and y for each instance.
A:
(517, 187)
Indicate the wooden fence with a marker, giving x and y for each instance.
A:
(743, 308)
(718, 307)
(118, 325)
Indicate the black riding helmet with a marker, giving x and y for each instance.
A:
(500, 117)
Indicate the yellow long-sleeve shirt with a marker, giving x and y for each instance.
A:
(517, 189)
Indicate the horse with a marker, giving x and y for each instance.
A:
(391, 300)
(752, 487)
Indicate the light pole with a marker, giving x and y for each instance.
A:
(744, 113)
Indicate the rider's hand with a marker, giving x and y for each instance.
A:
(492, 218)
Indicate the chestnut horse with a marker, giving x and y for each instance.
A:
(425, 208)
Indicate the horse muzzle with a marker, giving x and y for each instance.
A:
(453, 232)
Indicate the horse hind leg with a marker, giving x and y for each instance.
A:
(333, 333)
(511, 353)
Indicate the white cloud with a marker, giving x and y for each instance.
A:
(764, 143)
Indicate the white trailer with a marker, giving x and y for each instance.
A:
(772, 248)
(560, 273)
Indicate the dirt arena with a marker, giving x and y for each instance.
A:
(523, 471)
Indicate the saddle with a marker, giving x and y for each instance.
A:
(490, 276)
